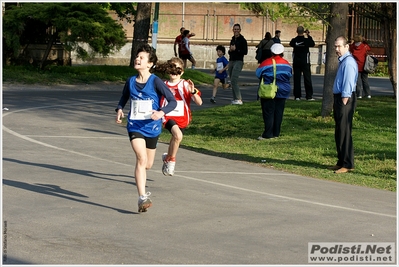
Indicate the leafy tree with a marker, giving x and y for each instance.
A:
(141, 14)
(72, 24)
(385, 14)
(336, 27)
(292, 13)
(335, 15)
(141, 28)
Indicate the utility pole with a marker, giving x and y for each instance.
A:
(155, 27)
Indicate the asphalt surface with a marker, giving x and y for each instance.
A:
(69, 194)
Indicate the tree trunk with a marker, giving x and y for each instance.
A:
(389, 35)
(47, 52)
(337, 23)
(141, 28)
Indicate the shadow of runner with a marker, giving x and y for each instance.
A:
(88, 173)
(54, 190)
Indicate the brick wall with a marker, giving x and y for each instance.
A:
(213, 23)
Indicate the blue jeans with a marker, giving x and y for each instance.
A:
(235, 68)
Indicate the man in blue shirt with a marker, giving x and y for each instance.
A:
(344, 91)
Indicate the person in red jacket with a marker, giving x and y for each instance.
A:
(359, 49)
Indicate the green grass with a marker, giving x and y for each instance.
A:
(82, 74)
(306, 145)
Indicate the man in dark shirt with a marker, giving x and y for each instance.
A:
(276, 38)
(238, 49)
(301, 63)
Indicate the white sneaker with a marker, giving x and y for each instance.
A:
(359, 97)
(369, 96)
(297, 99)
(236, 102)
(144, 202)
(168, 167)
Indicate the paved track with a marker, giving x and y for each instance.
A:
(69, 195)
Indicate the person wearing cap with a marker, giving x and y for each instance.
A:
(276, 38)
(273, 109)
(301, 63)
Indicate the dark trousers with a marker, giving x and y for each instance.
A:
(362, 83)
(298, 69)
(343, 116)
(272, 112)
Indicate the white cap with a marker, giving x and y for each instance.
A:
(277, 49)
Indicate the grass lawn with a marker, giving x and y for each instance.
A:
(306, 145)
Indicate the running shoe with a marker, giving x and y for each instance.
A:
(236, 102)
(169, 168)
(144, 202)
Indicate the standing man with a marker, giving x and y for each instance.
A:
(301, 63)
(179, 39)
(238, 49)
(276, 38)
(344, 91)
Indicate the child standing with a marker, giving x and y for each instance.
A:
(144, 124)
(220, 72)
(177, 120)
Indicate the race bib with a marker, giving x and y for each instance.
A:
(219, 66)
(140, 109)
(179, 110)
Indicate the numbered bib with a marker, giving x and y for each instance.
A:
(179, 110)
(140, 109)
(219, 66)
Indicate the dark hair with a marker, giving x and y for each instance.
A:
(169, 67)
(182, 28)
(186, 32)
(268, 36)
(277, 32)
(238, 25)
(148, 49)
(152, 56)
(221, 48)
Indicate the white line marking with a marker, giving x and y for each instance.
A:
(78, 137)
(285, 197)
(182, 176)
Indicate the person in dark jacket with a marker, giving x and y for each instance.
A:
(238, 49)
(273, 109)
(265, 45)
(276, 37)
(301, 63)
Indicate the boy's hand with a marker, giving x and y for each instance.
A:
(156, 115)
(119, 116)
(190, 85)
